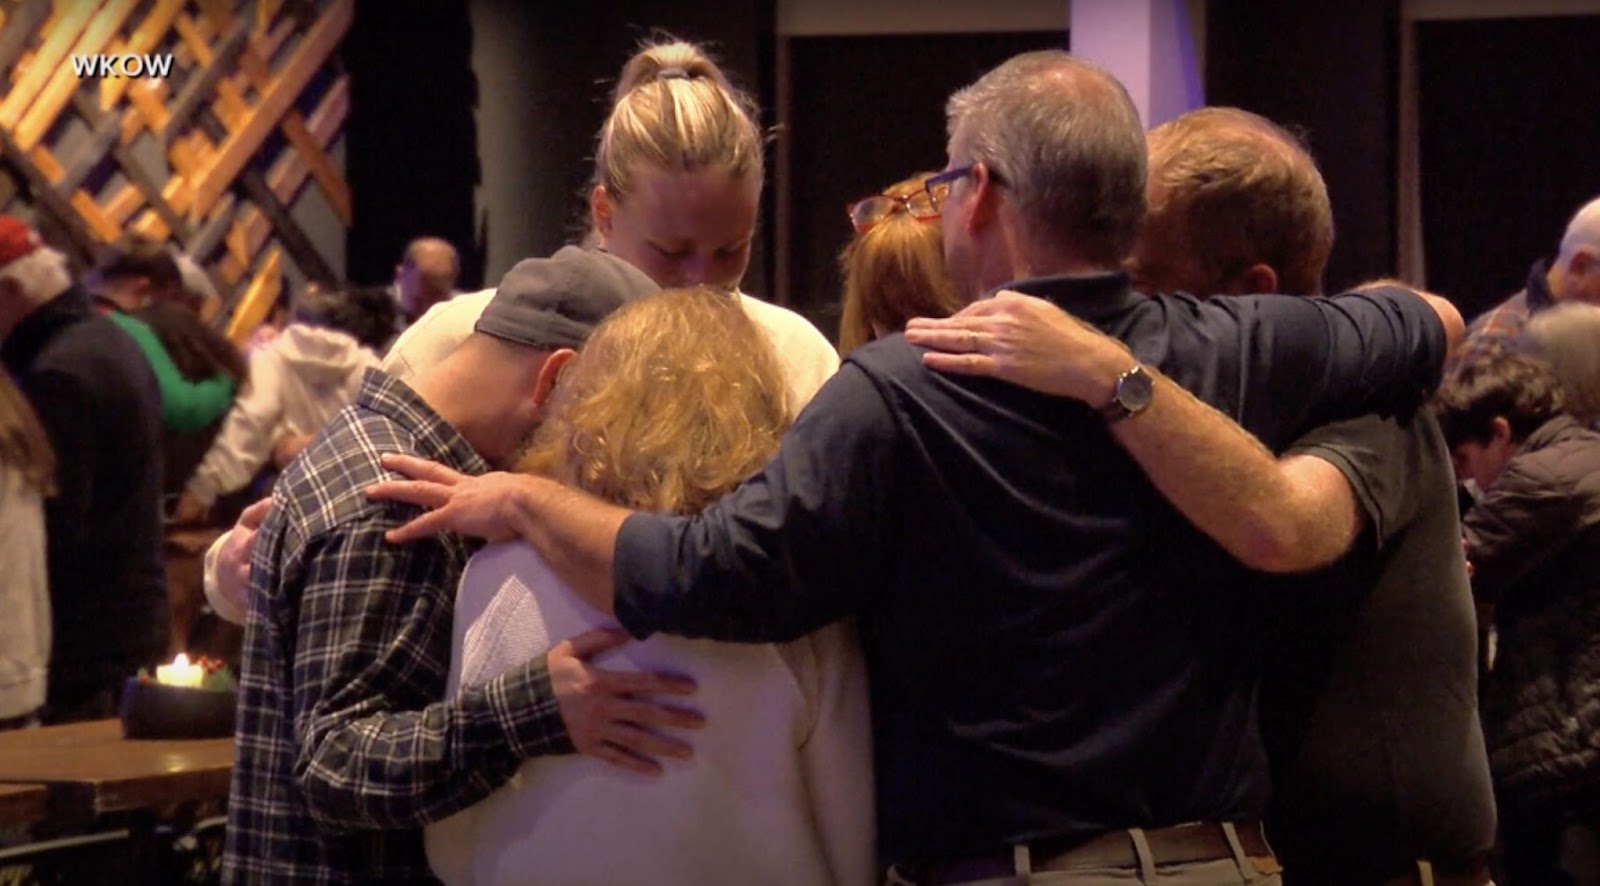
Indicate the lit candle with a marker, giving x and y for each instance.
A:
(180, 673)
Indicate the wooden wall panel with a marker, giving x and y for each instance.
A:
(71, 145)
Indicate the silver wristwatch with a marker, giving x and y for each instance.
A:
(1133, 392)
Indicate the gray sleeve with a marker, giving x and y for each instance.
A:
(1381, 459)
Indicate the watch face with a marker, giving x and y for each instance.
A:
(1134, 390)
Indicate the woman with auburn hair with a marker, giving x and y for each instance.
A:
(894, 265)
(674, 401)
(27, 476)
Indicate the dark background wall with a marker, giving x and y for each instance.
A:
(1509, 123)
(1328, 69)
(502, 99)
(411, 149)
(476, 121)
(852, 135)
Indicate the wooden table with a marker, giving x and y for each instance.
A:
(90, 769)
(23, 803)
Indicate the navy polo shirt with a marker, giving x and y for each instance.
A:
(1054, 650)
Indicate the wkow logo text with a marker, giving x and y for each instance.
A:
(106, 64)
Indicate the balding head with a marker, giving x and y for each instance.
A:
(1583, 231)
(1236, 205)
(426, 275)
(1575, 276)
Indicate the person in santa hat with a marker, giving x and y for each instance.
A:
(96, 396)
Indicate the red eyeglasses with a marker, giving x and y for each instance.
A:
(868, 211)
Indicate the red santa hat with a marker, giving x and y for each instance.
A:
(41, 271)
(18, 239)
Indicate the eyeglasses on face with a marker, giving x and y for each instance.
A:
(868, 211)
(938, 186)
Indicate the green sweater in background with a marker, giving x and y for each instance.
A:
(185, 405)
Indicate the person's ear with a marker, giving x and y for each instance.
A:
(1254, 280)
(600, 210)
(985, 200)
(1499, 431)
(545, 384)
(143, 292)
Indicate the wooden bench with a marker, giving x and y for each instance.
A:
(89, 769)
(23, 803)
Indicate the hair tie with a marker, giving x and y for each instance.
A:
(676, 72)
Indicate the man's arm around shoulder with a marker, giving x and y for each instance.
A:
(1455, 328)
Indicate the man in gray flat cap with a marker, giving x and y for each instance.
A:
(344, 745)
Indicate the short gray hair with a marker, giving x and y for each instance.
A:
(1567, 336)
(1065, 138)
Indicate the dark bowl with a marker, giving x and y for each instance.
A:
(152, 710)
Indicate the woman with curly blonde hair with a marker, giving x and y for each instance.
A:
(27, 477)
(674, 401)
(668, 408)
(894, 265)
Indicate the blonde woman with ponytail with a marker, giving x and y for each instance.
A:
(678, 176)
(676, 193)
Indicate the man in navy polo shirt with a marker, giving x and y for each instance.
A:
(1369, 707)
(1064, 668)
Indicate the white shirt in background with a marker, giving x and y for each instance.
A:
(24, 597)
(298, 381)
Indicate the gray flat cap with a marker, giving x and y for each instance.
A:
(555, 302)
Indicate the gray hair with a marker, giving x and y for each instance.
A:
(1567, 336)
(1066, 140)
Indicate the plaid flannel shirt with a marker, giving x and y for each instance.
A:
(344, 747)
(1498, 327)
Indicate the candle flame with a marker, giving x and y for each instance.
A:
(182, 661)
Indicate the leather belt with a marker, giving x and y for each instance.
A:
(1183, 844)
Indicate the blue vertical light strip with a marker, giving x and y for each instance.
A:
(1150, 45)
(1177, 81)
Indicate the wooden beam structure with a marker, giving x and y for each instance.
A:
(244, 121)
